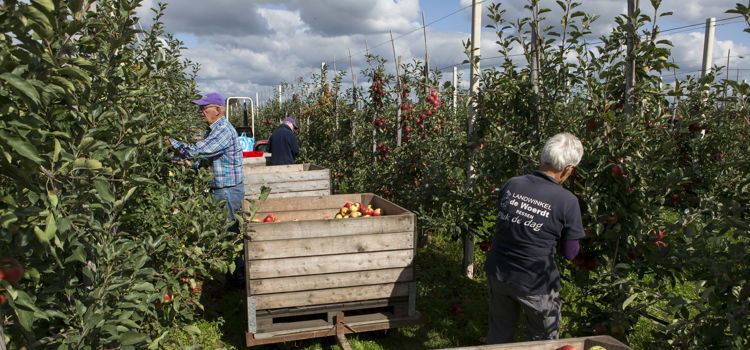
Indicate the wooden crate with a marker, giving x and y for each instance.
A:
(307, 278)
(293, 180)
(583, 343)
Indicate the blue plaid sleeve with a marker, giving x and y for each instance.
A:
(213, 145)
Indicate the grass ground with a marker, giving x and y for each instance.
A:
(453, 308)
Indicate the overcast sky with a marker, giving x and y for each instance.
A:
(245, 47)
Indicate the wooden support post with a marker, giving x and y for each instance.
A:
(426, 60)
(354, 81)
(455, 89)
(476, 25)
(535, 61)
(398, 96)
(708, 46)
(630, 59)
(340, 332)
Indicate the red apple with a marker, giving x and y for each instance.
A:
(377, 212)
(168, 298)
(10, 269)
(567, 347)
(270, 218)
(485, 246)
(616, 171)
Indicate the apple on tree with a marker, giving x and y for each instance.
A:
(10, 269)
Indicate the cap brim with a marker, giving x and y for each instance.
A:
(200, 102)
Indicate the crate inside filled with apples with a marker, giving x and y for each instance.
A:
(357, 209)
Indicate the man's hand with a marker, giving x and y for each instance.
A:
(166, 142)
(185, 162)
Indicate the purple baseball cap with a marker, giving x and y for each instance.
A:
(213, 98)
(291, 120)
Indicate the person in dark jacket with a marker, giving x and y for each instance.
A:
(536, 216)
(283, 143)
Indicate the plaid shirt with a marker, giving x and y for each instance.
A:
(221, 146)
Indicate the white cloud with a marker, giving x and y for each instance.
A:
(249, 46)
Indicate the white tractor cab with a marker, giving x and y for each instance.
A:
(245, 106)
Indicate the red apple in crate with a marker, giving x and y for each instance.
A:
(270, 218)
(378, 212)
(567, 347)
(344, 211)
(354, 207)
(348, 204)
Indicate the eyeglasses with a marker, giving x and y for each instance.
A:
(203, 108)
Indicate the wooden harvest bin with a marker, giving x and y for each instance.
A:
(293, 180)
(318, 277)
(583, 343)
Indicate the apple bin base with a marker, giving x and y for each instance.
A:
(604, 342)
(309, 276)
(293, 180)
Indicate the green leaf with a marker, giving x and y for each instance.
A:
(132, 338)
(23, 147)
(56, 152)
(46, 4)
(51, 228)
(79, 254)
(49, 231)
(143, 286)
(92, 164)
(629, 300)
(75, 73)
(192, 329)
(102, 187)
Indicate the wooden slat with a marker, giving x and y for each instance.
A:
(279, 168)
(334, 201)
(314, 193)
(387, 206)
(329, 264)
(353, 325)
(309, 227)
(331, 245)
(255, 161)
(334, 295)
(272, 178)
(334, 280)
(604, 341)
(328, 308)
(293, 186)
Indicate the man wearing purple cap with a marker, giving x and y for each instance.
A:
(283, 143)
(221, 147)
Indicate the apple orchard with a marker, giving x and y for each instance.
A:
(114, 240)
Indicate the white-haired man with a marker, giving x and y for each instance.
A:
(536, 217)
